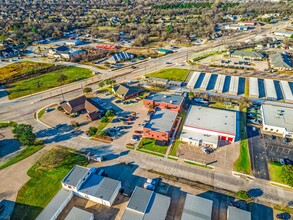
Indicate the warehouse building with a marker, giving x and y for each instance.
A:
(205, 82)
(251, 55)
(286, 91)
(234, 213)
(205, 126)
(234, 85)
(281, 61)
(164, 101)
(197, 208)
(85, 183)
(193, 80)
(161, 126)
(277, 120)
(147, 205)
(253, 87)
(219, 86)
(270, 90)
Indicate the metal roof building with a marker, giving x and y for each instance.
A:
(220, 84)
(76, 213)
(281, 61)
(197, 208)
(56, 205)
(205, 82)
(236, 213)
(146, 205)
(75, 175)
(270, 89)
(165, 98)
(286, 91)
(193, 80)
(253, 87)
(162, 120)
(234, 84)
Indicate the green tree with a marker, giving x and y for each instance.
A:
(109, 113)
(104, 119)
(92, 131)
(24, 133)
(291, 36)
(87, 89)
(62, 78)
(101, 84)
(287, 174)
(19, 129)
(191, 94)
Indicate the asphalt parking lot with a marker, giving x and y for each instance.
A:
(8, 144)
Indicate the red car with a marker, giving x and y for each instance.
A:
(138, 132)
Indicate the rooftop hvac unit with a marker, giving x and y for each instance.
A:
(171, 101)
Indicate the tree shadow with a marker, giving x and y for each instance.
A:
(254, 193)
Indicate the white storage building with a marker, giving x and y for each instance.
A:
(270, 89)
(253, 87)
(205, 126)
(234, 84)
(205, 82)
(219, 86)
(286, 91)
(193, 80)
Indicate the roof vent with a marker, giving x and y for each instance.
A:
(164, 96)
(171, 101)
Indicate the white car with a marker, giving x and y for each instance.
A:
(97, 158)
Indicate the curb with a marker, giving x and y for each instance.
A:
(37, 115)
(280, 185)
(237, 174)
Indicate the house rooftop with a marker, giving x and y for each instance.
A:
(197, 208)
(162, 120)
(278, 116)
(74, 177)
(212, 119)
(76, 213)
(166, 98)
(146, 205)
(125, 90)
(100, 187)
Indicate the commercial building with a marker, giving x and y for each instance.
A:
(146, 205)
(73, 42)
(197, 208)
(234, 85)
(286, 91)
(252, 55)
(9, 52)
(270, 90)
(277, 120)
(85, 183)
(283, 33)
(164, 101)
(205, 82)
(161, 125)
(124, 91)
(205, 126)
(194, 78)
(281, 61)
(253, 87)
(79, 214)
(120, 57)
(82, 103)
(219, 86)
(234, 213)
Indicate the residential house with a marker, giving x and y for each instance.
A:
(9, 52)
(82, 103)
(124, 91)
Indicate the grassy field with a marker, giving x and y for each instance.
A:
(47, 81)
(7, 124)
(28, 151)
(275, 172)
(45, 182)
(221, 105)
(150, 144)
(175, 74)
(173, 151)
(21, 68)
(102, 125)
(242, 164)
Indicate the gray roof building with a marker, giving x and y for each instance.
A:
(56, 205)
(147, 205)
(248, 54)
(162, 120)
(197, 208)
(125, 91)
(281, 61)
(74, 177)
(166, 98)
(100, 187)
(193, 80)
(253, 87)
(286, 91)
(270, 89)
(236, 213)
(79, 214)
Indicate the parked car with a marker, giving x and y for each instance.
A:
(134, 67)
(235, 204)
(207, 150)
(168, 63)
(284, 215)
(97, 158)
(149, 186)
(138, 132)
(118, 101)
(135, 138)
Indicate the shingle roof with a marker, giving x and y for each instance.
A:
(124, 90)
(75, 175)
(281, 60)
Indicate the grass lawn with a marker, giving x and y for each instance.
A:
(275, 172)
(175, 74)
(150, 144)
(7, 124)
(41, 113)
(221, 105)
(102, 125)
(21, 68)
(242, 164)
(173, 151)
(46, 175)
(46, 81)
(28, 151)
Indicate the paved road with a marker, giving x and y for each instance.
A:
(258, 156)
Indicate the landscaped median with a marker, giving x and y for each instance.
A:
(281, 174)
(46, 175)
(242, 164)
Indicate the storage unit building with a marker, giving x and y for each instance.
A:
(79, 214)
(270, 89)
(234, 213)
(234, 84)
(286, 91)
(205, 82)
(219, 86)
(253, 87)
(193, 80)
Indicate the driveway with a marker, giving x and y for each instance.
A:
(258, 156)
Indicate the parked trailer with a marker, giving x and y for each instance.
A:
(220, 84)
(234, 84)
(270, 90)
(253, 87)
(287, 92)
(193, 80)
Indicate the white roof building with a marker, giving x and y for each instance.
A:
(207, 126)
(277, 120)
